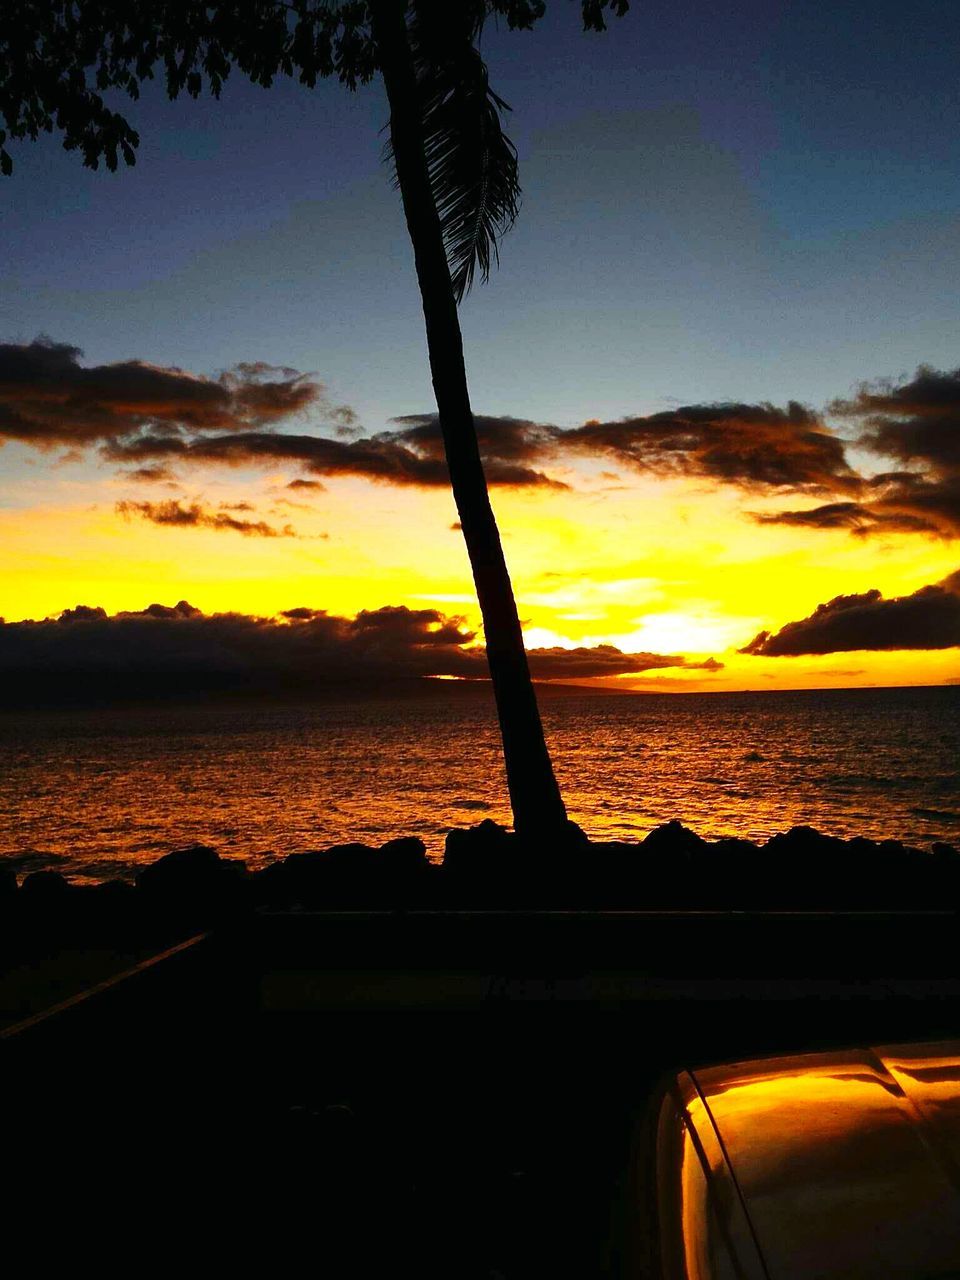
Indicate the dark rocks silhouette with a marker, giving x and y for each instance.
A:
(46, 884)
(348, 875)
(485, 849)
(672, 838)
(489, 867)
(404, 856)
(192, 882)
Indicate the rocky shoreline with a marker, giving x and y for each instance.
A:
(59, 938)
(488, 867)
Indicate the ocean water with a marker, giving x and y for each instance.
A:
(97, 793)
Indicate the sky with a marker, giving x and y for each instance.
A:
(714, 461)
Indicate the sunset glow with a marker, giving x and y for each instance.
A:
(706, 411)
(664, 567)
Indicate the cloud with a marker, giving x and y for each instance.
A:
(282, 505)
(165, 650)
(150, 474)
(860, 519)
(915, 421)
(928, 619)
(48, 399)
(503, 440)
(386, 457)
(155, 417)
(193, 515)
(756, 446)
(604, 660)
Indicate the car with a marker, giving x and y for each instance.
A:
(836, 1164)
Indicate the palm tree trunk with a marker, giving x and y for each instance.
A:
(534, 795)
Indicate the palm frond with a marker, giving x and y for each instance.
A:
(471, 162)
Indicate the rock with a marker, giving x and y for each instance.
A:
(570, 842)
(114, 893)
(185, 864)
(192, 879)
(804, 840)
(405, 856)
(344, 874)
(893, 848)
(672, 838)
(45, 885)
(469, 850)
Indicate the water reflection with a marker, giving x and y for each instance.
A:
(108, 790)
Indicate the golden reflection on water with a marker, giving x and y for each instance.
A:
(112, 789)
(845, 1168)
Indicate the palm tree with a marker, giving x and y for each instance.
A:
(457, 175)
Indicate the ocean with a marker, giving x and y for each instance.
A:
(98, 793)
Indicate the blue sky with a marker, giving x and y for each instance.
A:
(721, 201)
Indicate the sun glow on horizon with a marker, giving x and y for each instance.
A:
(686, 573)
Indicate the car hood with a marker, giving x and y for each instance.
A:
(839, 1164)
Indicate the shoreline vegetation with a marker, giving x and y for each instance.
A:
(60, 937)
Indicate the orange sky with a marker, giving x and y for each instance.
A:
(667, 566)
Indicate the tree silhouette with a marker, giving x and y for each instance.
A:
(455, 169)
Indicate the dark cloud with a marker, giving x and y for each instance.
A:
(163, 650)
(193, 515)
(605, 660)
(387, 457)
(915, 421)
(155, 417)
(502, 440)
(151, 475)
(861, 519)
(710, 664)
(303, 646)
(88, 613)
(47, 398)
(933, 503)
(152, 419)
(928, 619)
(756, 446)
